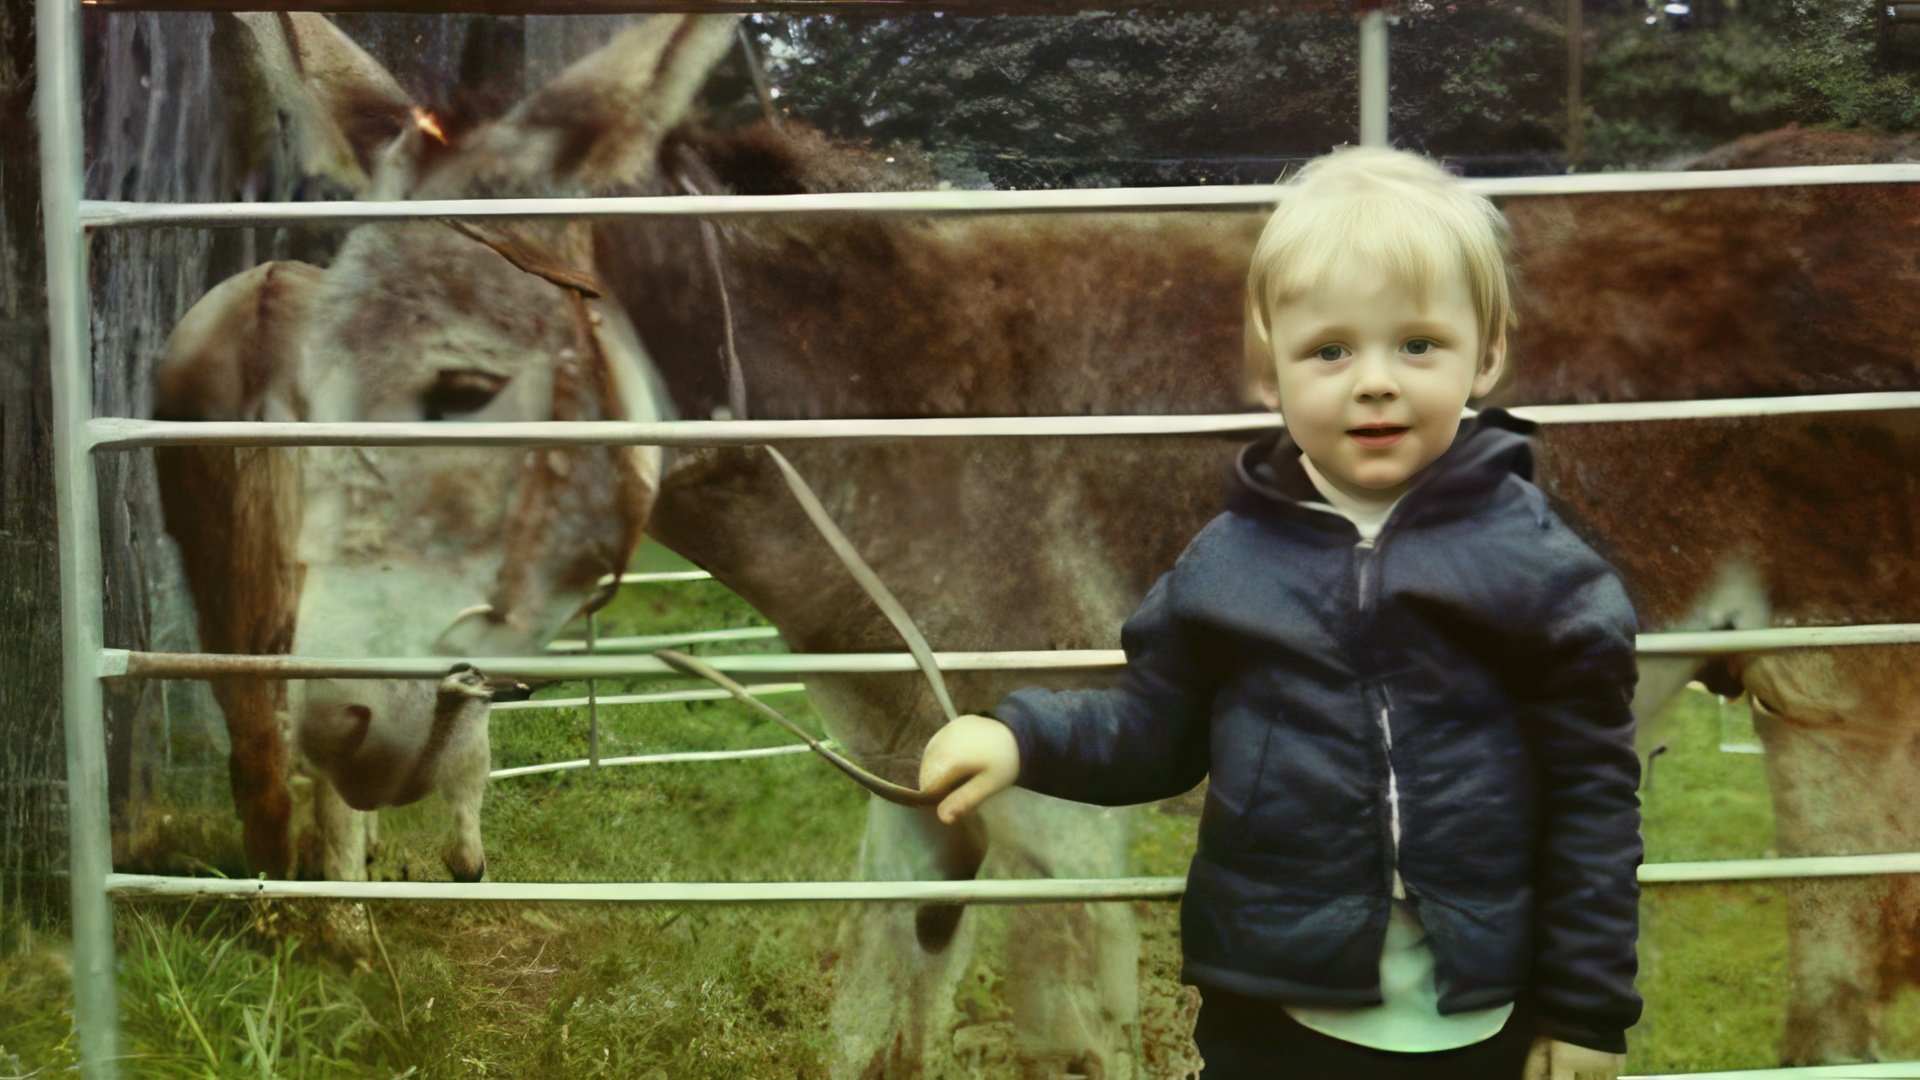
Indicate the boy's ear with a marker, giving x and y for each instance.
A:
(1492, 365)
(1269, 391)
(1258, 364)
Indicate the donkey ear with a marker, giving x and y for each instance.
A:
(233, 355)
(338, 105)
(602, 119)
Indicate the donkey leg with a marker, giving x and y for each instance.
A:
(463, 781)
(1838, 726)
(342, 834)
(257, 770)
(1836, 940)
(893, 1008)
(1072, 970)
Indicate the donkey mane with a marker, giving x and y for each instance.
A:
(790, 159)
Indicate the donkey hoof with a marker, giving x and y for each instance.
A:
(467, 875)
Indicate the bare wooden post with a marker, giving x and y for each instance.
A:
(32, 791)
(1574, 63)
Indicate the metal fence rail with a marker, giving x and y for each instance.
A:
(121, 663)
(650, 642)
(118, 433)
(145, 665)
(658, 576)
(763, 690)
(1876, 1071)
(670, 758)
(105, 215)
(664, 7)
(1001, 890)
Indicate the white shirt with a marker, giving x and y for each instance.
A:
(1408, 1019)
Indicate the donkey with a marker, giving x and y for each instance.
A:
(1049, 543)
(373, 552)
(1794, 521)
(410, 553)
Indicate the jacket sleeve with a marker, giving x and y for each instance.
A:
(1575, 710)
(1144, 738)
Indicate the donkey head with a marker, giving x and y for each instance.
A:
(444, 551)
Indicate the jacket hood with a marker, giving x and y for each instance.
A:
(1266, 476)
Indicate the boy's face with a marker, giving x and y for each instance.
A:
(1371, 383)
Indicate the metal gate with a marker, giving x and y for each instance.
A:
(78, 436)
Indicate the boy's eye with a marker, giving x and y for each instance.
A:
(1322, 351)
(1427, 346)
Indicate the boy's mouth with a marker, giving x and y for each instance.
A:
(1377, 435)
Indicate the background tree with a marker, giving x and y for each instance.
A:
(1155, 97)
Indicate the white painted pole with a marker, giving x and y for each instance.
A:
(119, 663)
(998, 890)
(978, 891)
(658, 577)
(1373, 74)
(90, 843)
(119, 433)
(764, 690)
(126, 434)
(105, 215)
(1884, 1070)
(593, 699)
(670, 758)
(650, 642)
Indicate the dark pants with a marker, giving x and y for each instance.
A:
(1247, 1039)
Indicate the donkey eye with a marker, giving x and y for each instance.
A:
(458, 392)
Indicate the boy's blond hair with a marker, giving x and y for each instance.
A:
(1366, 207)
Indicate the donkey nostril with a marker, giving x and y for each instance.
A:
(361, 713)
(458, 668)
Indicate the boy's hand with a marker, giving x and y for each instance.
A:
(978, 750)
(1551, 1059)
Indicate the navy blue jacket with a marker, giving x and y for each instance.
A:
(1280, 652)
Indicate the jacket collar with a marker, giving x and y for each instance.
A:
(1267, 478)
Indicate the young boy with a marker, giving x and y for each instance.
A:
(1408, 681)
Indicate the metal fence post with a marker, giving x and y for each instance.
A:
(1373, 73)
(593, 698)
(90, 848)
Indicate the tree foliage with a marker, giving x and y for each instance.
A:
(1074, 100)
(1141, 97)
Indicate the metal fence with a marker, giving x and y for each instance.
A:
(77, 436)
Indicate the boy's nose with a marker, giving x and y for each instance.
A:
(1373, 378)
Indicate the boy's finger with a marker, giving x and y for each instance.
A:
(1536, 1064)
(962, 801)
(939, 775)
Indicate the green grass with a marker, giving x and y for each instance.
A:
(207, 990)
(36, 1003)
(302, 989)
(227, 996)
(1712, 956)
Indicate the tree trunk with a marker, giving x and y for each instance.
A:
(32, 758)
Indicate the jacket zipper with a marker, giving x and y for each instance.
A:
(1367, 549)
